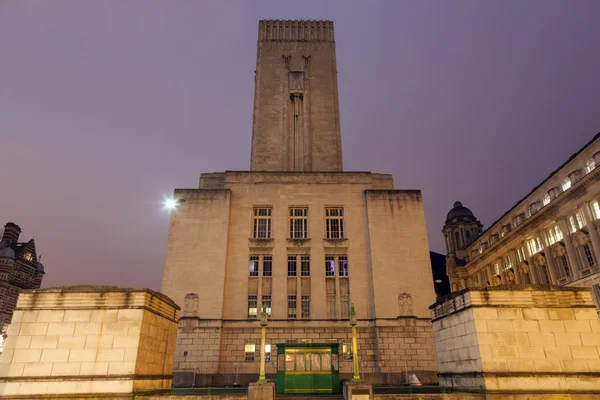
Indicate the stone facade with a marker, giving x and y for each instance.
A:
(520, 342)
(20, 269)
(88, 341)
(550, 237)
(302, 238)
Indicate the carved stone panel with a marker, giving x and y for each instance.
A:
(405, 305)
(190, 305)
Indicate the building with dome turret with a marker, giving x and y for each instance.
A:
(550, 237)
(20, 268)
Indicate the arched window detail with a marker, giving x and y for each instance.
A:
(590, 165)
(584, 250)
(566, 184)
(563, 267)
(546, 200)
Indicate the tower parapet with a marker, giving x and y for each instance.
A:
(295, 30)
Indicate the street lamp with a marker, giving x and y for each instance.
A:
(356, 374)
(263, 339)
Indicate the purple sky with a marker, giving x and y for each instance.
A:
(107, 106)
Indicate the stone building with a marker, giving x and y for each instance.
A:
(19, 269)
(299, 236)
(549, 237)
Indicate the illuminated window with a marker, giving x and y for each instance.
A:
(329, 266)
(266, 303)
(546, 200)
(521, 254)
(28, 256)
(590, 165)
(496, 268)
(262, 222)
(554, 235)
(267, 265)
(249, 351)
(505, 230)
(299, 223)
(343, 263)
(535, 245)
(596, 209)
(292, 265)
(576, 221)
(566, 184)
(305, 266)
(267, 352)
(252, 306)
(305, 306)
(292, 311)
(334, 222)
(507, 263)
(253, 265)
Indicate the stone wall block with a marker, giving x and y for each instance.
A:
(88, 328)
(65, 369)
(61, 328)
(77, 315)
(55, 355)
(37, 369)
(536, 314)
(43, 342)
(30, 329)
(50, 316)
(82, 355)
(27, 355)
(72, 342)
(586, 314)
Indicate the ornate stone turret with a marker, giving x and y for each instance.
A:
(460, 230)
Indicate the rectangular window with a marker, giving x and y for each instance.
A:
(329, 266)
(596, 209)
(291, 265)
(535, 245)
(305, 265)
(334, 222)
(267, 265)
(345, 303)
(262, 222)
(563, 264)
(496, 268)
(331, 306)
(521, 254)
(576, 222)
(507, 263)
(267, 353)
(305, 306)
(554, 235)
(252, 306)
(544, 275)
(292, 313)
(253, 265)
(249, 351)
(266, 304)
(298, 223)
(343, 265)
(587, 253)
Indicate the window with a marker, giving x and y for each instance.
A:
(507, 263)
(291, 265)
(292, 307)
(267, 353)
(544, 275)
(590, 165)
(331, 313)
(28, 256)
(343, 263)
(345, 302)
(347, 352)
(576, 222)
(505, 230)
(546, 199)
(305, 265)
(334, 222)
(262, 222)
(468, 236)
(521, 254)
(535, 245)
(266, 304)
(596, 209)
(596, 290)
(298, 223)
(566, 184)
(457, 239)
(329, 266)
(496, 268)
(253, 265)
(252, 306)
(554, 235)
(563, 265)
(267, 265)
(249, 351)
(586, 255)
(305, 306)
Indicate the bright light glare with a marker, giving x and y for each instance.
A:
(171, 204)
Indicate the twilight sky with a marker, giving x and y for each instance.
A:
(107, 106)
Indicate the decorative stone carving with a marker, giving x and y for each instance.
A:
(260, 243)
(392, 194)
(258, 177)
(190, 305)
(405, 304)
(297, 81)
(510, 275)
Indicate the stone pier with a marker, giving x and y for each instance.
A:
(88, 342)
(520, 342)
